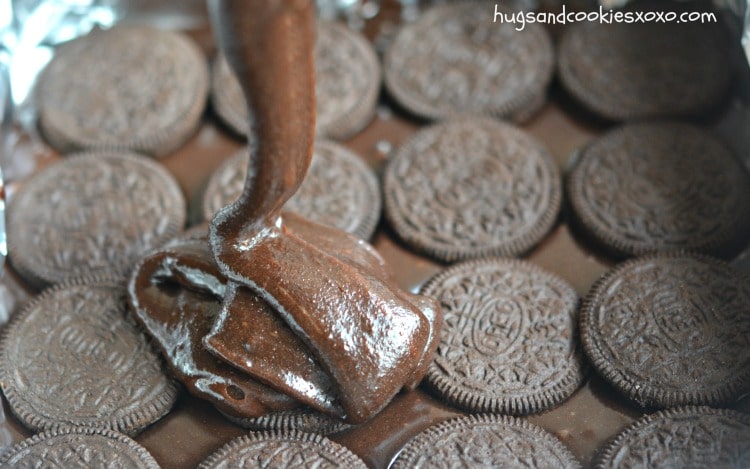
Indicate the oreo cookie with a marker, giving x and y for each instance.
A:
(660, 186)
(228, 100)
(454, 60)
(509, 341)
(671, 329)
(78, 447)
(92, 214)
(129, 88)
(471, 188)
(282, 449)
(73, 356)
(682, 437)
(340, 190)
(635, 70)
(347, 83)
(485, 441)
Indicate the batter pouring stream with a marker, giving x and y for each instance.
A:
(330, 288)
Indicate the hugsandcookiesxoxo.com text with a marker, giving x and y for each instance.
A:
(602, 15)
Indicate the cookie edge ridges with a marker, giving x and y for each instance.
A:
(146, 458)
(605, 453)
(131, 424)
(218, 456)
(730, 239)
(647, 395)
(42, 278)
(404, 458)
(518, 406)
(447, 254)
(157, 145)
(518, 109)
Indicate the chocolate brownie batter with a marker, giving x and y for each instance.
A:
(368, 335)
(178, 297)
(330, 327)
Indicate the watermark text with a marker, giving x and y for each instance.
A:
(603, 16)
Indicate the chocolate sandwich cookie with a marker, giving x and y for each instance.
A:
(347, 83)
(282, 449)
(455, 60)
(635, 70)
(78, 447)
(509, 341)
(485, 441)
(225, 185)
(671, 329)
(300, 420)
(228, 101)
(340, 190)
(127, 88)
(661, 186)
(73, 356)
(471, 188)
(92, 214)
(682, 437)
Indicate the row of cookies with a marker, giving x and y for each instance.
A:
(485, 58)
(665, 330)
(676, 438)
(680, 437)
(476, 187)
(135, 88)
(458, 190)
(89, 447)
(140, 89)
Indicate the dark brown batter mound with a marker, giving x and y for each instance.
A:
(309, 310)
(175, 294)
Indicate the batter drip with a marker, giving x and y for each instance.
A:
(350, 337)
